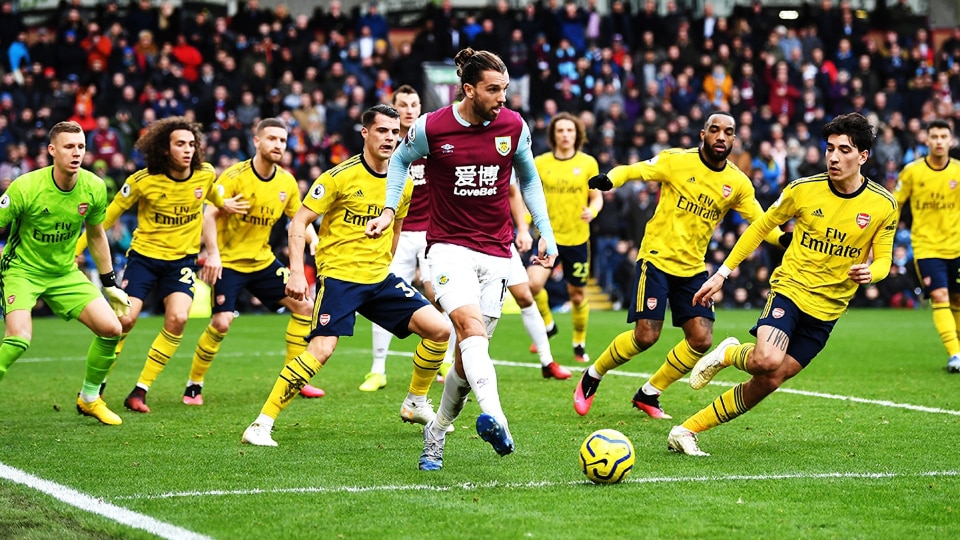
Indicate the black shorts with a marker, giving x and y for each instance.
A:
(653, 288)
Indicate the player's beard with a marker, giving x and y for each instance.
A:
(485, 114)
(712, 154)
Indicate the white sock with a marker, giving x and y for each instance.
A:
(482, 376)
(592, 371)
(533, 322)
(88, 399)
(191, 382)
(265, 421)
(381, 343)
(455, 392)
(651, 390)
(415, 399)
(450, 356)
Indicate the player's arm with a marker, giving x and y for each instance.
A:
(882, 247)
(519, 212)
(212, 267)
(532, 190)
(114, 211)
(780, 212)
(593, 207)
(751, 210)
(412, 148)
(232, 205)
(297, 284)
(621, 174)
(904, 186)
(312, 239)
(397, 227)
(100, 252)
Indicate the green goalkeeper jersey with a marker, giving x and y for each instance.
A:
(45, 221)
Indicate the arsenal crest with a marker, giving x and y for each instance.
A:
(82, 208)
(953, 184)
(11, 299)
(863, 220)
(651, 303)
(283, 196)
(221, 299)
(777, 313)
(727, 190)
(198, 193)
(504, 145)
(324, 319)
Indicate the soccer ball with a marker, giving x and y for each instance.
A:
(606, 456)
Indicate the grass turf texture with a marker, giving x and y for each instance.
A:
(798, 466)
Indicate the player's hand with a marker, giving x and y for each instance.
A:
(297, 286)
(542, 258)
(712, 286)
(313, 245)
(212, 268)
(235, 205)
(377, 225)
(119, 301)
(785, 239)
(524, 241)
(860, 273)
(586, 215)
(601, 182)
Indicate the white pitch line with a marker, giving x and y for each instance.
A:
(99, 506)
(541, 484)
(634, 374)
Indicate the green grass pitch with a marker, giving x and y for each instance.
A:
(862, 444)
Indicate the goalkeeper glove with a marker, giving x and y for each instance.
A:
(785, 239)
(119, 301)
(601, 182)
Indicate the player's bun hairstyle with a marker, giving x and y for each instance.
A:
(853, 125)
(269, 123)
(471, 64)
(64, 127)
(155, 143)
(370, 114)
(579, 140)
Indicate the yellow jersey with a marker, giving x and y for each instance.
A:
(169, 212)
(832, 232)
(935, 204)
(566, 192)
(244, 239)
(694, 198)
(348, 196)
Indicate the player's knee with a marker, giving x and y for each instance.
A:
(646, 337)
(222, 324)
(110, 329)
(764, 363)
(576, 295)
(523, 297)
(176, 321)
(700, 343)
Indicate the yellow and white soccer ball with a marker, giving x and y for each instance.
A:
(606, 456)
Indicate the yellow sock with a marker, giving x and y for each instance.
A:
(737, 356)
(723, 409)
(619, 352)
(680, 360)
(426, 362)
(162, 349)
(956, 318)
(946, 326)
(207, 347)
(298, 327)
(294, 376)
(543, 306)
(581, 315)
(123, 339)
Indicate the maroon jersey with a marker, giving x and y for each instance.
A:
(418, 217)
(469, 170)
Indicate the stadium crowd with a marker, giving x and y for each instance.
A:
(639, 80)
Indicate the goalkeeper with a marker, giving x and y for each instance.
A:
(46, 210)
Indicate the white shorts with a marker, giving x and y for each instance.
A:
(463, 277)
(518, 273)
(411, 254)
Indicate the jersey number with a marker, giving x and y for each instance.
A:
(407, 290)
(581, 270)
(284, 274)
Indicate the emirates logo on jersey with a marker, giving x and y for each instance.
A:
(283, 196)
(198, 193)
(727, 190)
(651, 303)
(82, 208)
(863, 220)
(953, 185)
(777, 313)
(324, 319)
(11, 299)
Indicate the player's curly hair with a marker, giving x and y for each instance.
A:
(471, 64)
(853, 125)
(578, 141)
(155, 143)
